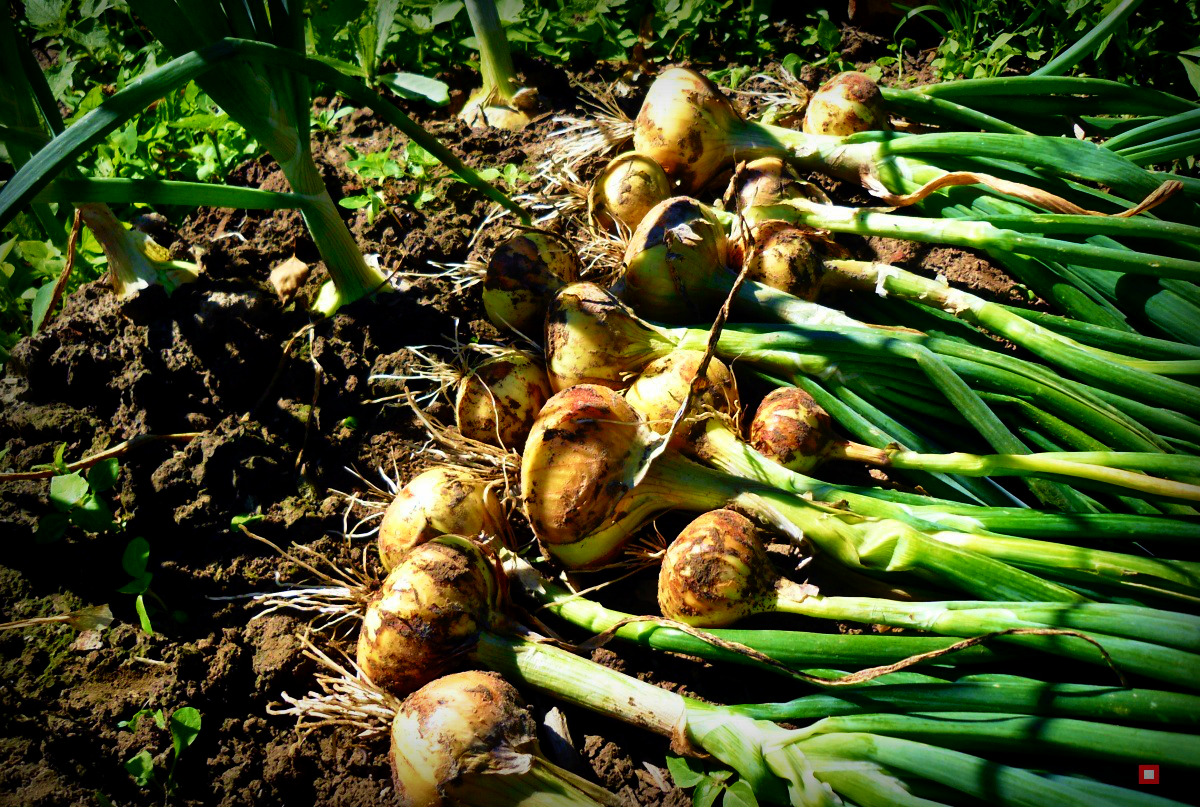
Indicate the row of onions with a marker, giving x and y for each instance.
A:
(632, 410)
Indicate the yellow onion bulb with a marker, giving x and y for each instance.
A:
(462, 724)
(499, 400)
(486, 108)
(625, 191)
(846, 104)
(792, 429)
(427, 614)
(716, 572)
(765, 181)
(594, 338)
(783, 257)
(522, 275)
(659, 391)
(685, 125)
(579, 461)
(675, 262)
(436, 502)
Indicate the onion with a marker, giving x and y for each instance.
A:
(626, 190)
(659, 391)
(593, 338)
(846, 104)
(521, 276)
(791, 428)
(717, 572)
(439, 501)
(498, 401)
(782, 256)
(427, 614)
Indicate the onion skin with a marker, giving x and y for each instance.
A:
(427, 614)
(684, 126)
(522, 275)
(460, 724)
(659, 391)
(625, 191)
(846, 104)
(439, 501)
(783, 257)
(576, 464)
(498, 402)
(675, 262)
(594, 338)
(716, 572)
(792, 429)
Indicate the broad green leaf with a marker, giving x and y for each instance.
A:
(1191, 52)
(385, 17)
(185, 725)
(51, 527)
(47, 15)
(41, 305)
(137, 585)
(204, 121)
(62, 81)
(417, 87)
(93, 515)
(103, 475)
(244, 519)
(739, 794)
(510, 11)
(136, 556)
(132, 722)
(141, 768)
(685, 771)
(793, 63)
(444, 12)
(1193, 73)
(706, 793)
(139, 605)
(354, 202)
(67, 491)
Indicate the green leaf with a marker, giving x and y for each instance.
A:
(510, 11)
(67, 491)
(51, 527)
(103, 475)
(102, 799)
(185, 725)
(244, 519)
(1193, 73)
(132, 722)
(136, 557)
(139, 605)
(706, 793)
(417, 87)
(1191, 52)
(444, 12)
(828, 35)
(41, 304)
(685, 771)
(739, 794)
(47, 15)
(141, 768)
(354, 202)
(60, 462)
(93, 515)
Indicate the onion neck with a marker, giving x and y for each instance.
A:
(825, 153)
(857, 452)
(495, 59)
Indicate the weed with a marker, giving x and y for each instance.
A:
(184, 725)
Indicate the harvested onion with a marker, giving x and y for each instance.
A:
(625, 191)
(498, 400)
(522, 274)
(437, 502)
(848, 103)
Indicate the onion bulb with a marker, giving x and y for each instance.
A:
(436, 502)
(625, 191)
(521, 276)
(782, 256)
(792, 429)
(717, 572)
(659, 391)
(428, 613)
(498, 401)
(846, 104)
(594, 338)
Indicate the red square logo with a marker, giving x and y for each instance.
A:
(1148, 775)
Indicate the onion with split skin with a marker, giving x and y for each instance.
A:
(848, 103)
(428, 613)
(498, 400)
(522, 274)
(717, 572)
(437, 502)
(625, 191)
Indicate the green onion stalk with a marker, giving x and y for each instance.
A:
(441, 611)
(593, 472)
(501, 102)
(717, 572)
(812, 653)
(791, 428)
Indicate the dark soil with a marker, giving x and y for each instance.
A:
(280, 435)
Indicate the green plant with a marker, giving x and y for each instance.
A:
(135, 561)
(184, 726)
(76, 499)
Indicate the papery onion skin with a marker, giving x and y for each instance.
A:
(462, 723)
(626, 190)
(783, 257)
(498, 401)
(791, 428)
(436, 502)
(848, 103)
(659, 391)
(684, 125)
(716, 572)
(576, 464)
(427, 614)
(522, 275)
(594, 338)
(676, 262)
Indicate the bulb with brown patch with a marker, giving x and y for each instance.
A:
(427, 615)
(848, 103)
(717, 572)
(522, 275)
(792, 429)
(783, 257)
(498, 400)
(625, 191)
(436, 502)
(660, 390)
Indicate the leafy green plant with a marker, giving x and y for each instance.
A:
(710, 782)
(184, 726)
(135, 561)
(76, 499)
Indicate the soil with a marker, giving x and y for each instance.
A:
(283, 435)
